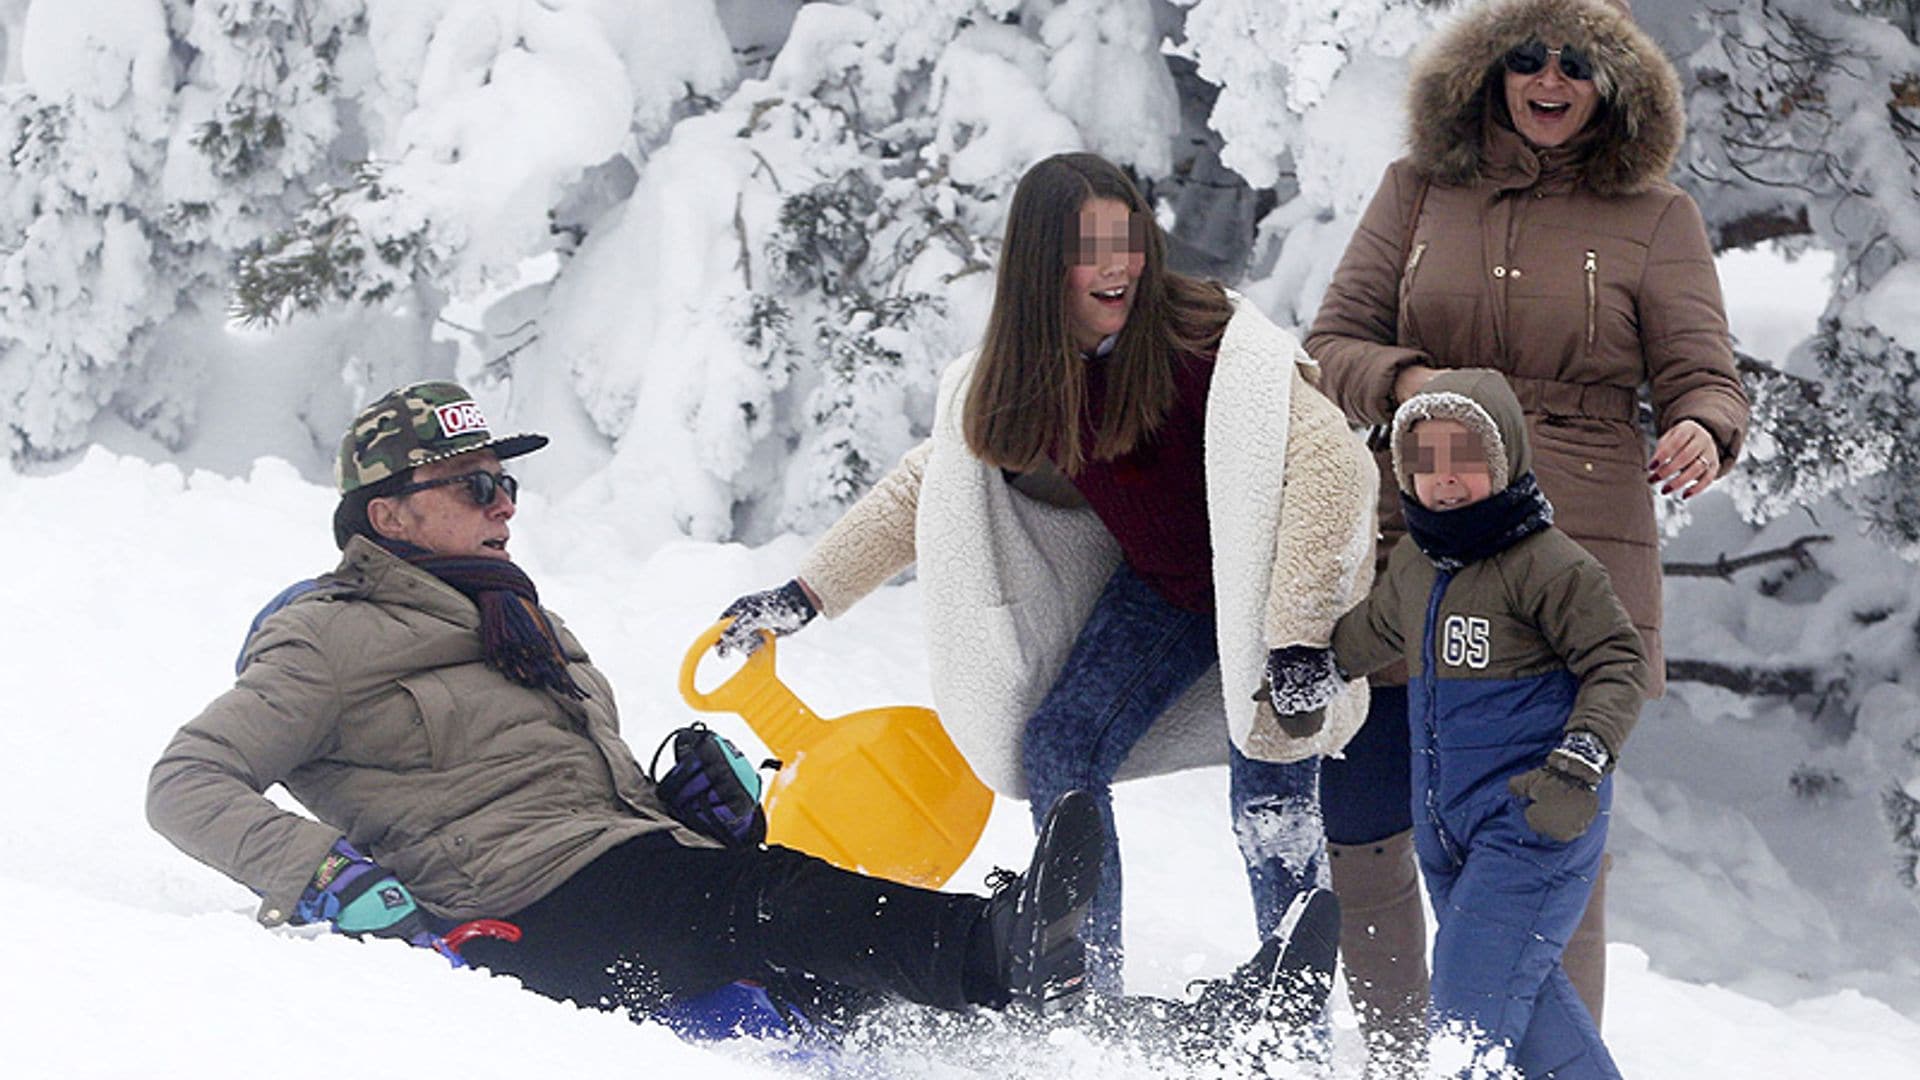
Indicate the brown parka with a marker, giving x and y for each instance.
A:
(370, 700)
(1578, 271)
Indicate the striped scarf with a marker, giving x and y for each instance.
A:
(515, 634)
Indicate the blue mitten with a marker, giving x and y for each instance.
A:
(358, 897)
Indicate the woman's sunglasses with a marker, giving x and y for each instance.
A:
(1530, 58)
(481, 486)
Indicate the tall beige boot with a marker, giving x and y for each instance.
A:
(1586, 956)
(1383, 947)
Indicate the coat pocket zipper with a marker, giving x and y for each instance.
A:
(1593, 293)
(1404, 312)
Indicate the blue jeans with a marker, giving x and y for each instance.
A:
(1135, 656)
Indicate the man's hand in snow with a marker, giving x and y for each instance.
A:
(358, 896)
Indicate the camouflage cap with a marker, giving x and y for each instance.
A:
(411, 426)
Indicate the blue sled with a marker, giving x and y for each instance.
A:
(735, 1010)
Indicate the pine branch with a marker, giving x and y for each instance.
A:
(746, 252)
(1724, 567)
(1903, 821)
(1751, 230)
(1746, 680)
(325, 257)
(501, 366)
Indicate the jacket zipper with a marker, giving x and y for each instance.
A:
(1403, 315)
(1430, 718)
(1593, 293)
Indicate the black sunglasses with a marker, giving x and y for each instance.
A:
(481, 486)
(1530, 58)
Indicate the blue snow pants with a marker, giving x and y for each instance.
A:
(1506, 898)
(1135, 656)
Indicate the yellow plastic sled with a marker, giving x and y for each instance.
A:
(882, 791)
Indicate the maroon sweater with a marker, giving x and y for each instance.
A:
(1154, 500)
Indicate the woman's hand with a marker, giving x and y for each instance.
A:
(1408, 381)
(1686, 459)
(778, 611)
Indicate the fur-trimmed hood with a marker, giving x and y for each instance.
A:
(1638, 127)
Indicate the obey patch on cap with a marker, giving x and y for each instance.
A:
(411, 426)
(461, 418)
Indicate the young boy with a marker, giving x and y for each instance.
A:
(1526, 676)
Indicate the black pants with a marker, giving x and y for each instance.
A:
(1366, 795)
(651, 922)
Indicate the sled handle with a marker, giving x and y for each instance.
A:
(486, 928)
(773, 711)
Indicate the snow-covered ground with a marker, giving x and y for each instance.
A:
(1740, 947)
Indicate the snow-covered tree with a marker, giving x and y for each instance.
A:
(1805, 129)
(812, 252)
(1805, 124)
(147, 142)
(398, 155)
(1309, 107)
(540, 183)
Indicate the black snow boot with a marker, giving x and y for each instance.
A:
(1265, 1017)
(1284, 987)
(1034, 918)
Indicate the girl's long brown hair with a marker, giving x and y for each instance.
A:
(1029, 389)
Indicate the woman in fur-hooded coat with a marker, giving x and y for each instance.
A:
(1567, 261)
(1105, 606)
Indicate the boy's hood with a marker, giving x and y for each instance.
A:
(1479, 399)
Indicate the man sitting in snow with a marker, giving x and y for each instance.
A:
(463, 759)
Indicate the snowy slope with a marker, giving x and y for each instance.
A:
(121, 957)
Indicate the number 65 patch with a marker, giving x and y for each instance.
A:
(1466, 641)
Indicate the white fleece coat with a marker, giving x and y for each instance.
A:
(1009, 580)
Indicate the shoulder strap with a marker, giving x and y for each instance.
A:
(326, 585)
(287, 596)
(1379, 437)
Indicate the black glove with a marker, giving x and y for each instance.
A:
(1564, 794)
(711, 788)
(1301, 680)
(780, 611)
